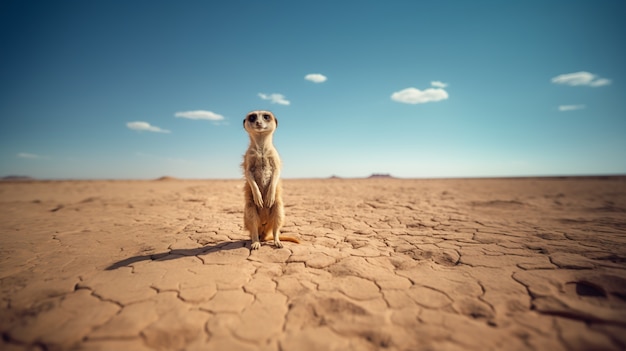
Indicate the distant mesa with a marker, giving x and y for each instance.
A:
(380, 175)
(16, 178)
(165, 179)
(374, 175)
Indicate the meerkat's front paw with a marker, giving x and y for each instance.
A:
(278, 243)
(270, 200)
(255, 245)
(258, 200)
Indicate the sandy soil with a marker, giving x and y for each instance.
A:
(492, 264)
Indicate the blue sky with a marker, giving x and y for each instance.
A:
(142, 89)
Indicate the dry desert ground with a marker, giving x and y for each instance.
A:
(384, 264)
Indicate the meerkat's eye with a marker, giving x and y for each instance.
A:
(252, 117)
(266, 117)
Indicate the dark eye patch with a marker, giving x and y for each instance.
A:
(266, 117)
(252, 117)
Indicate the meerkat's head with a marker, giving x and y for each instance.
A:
(260, 122)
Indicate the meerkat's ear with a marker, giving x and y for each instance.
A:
(244, 122)
(276, 120)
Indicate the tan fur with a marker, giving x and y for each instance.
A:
(264, 213)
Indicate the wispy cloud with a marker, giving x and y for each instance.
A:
(145, 126)
(28, 155)
(564, 108)
(600, 82)
(200, 114)
(416, 96)
(581, 78)
(275, 98)
(316, 77)
(438, 84)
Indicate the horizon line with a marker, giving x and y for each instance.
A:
(380, 176)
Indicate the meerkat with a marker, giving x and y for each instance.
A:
(263, 210)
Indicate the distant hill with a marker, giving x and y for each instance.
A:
(165, 178)
(380, 175)
(16, 178)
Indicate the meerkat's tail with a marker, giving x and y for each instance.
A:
(290, 238)
(269, 237)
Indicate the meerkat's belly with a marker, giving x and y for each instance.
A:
(263, 173)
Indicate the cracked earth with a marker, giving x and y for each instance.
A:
(485, 264)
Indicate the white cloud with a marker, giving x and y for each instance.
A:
(28, 155)
(316, 77)
(600, 82)
(275, 98)
(145, 126)
(438, 84)
(563, 108)
(200, 114)
(581, 78)
(416, 96)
